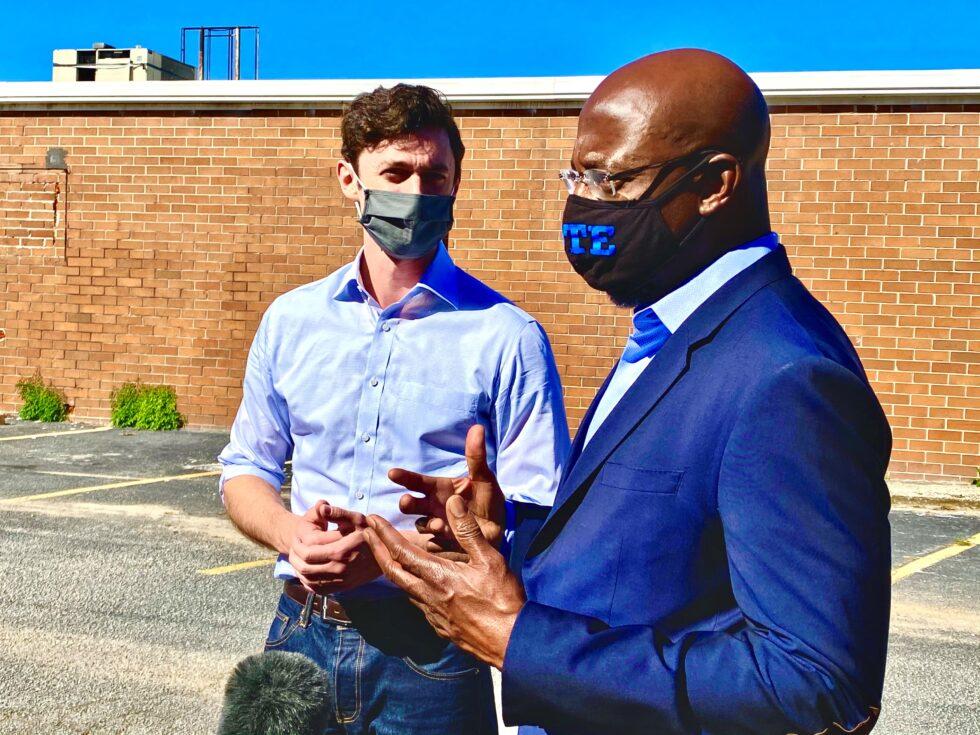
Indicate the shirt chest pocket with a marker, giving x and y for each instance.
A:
(435, 417)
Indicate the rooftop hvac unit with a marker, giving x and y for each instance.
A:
(104, 63)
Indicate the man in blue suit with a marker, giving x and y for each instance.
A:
(717, 559)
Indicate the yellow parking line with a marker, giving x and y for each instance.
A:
(110, 486)
(237, 567)
(86, 474)
(54, 433)
(923, 562)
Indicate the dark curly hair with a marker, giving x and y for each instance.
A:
(391, 113)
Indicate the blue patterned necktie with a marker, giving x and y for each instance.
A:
(649, 335)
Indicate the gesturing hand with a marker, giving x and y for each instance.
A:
(473, 603)
(479, 488)
(329, 561)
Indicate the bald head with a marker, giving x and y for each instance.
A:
(672, 103)
(682, 137)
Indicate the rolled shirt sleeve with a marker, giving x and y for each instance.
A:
(260, 441)
(529, 420)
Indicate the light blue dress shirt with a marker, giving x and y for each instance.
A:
(349, 390)
(673, 309)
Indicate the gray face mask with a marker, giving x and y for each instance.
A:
(406, 226)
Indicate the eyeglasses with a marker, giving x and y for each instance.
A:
(604, 185)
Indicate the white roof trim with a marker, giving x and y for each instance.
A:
(781, 88)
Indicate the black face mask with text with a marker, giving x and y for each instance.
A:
(625, 248)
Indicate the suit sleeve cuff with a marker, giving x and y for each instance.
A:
(563, 670)
(522, 667)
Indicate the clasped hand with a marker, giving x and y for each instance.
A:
(328, 560)
(453, 572)
(332, 560)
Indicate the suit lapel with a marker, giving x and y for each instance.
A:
(663, 372)
(639, 400)
(583, 429)
(655, 380)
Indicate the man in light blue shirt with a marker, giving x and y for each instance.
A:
(386, 363)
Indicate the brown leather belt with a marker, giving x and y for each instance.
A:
(324, 606)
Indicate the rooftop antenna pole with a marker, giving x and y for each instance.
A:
(232, 37)
(236, 42)
(200, 56)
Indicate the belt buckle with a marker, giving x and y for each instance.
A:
(329, 606)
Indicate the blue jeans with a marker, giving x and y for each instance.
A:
(389, 672)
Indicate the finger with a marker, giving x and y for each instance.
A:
(314, 532)
(313, 513)
(467, 531)
(380, 552)
(413, 481)
(391, 568)
(320, 572)
(430, 526)
(316, 559)
(406, 554)
(411, 505)
(434, 526)
(337, 549)
(437, 526)
(310, 570)
(476, 455)
(309, 537)
(343, 550)
(347, 520)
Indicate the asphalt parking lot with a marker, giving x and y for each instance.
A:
(127, 597)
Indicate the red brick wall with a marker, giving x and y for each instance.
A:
(183, 226)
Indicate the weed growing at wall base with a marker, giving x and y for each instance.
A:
(149, 407)
(41, 402)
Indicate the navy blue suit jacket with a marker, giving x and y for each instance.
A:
(718, 556)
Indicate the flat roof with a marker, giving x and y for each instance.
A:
(940, 86)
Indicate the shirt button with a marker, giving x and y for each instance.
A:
(365, 438)
(359, 495)
(385, 327)
(374, 382)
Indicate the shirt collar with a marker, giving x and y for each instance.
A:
(349, 286)
(439, 279)
(674, 308)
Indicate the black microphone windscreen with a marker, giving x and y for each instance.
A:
(276, 693)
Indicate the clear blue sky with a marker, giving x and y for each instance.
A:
(382, 38)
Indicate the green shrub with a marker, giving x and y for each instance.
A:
(125, 403)
(150, 407)
(976, 480)
(41, 402)
(158, 409)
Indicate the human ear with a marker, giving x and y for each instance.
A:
(348, 181)
(719, 183)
